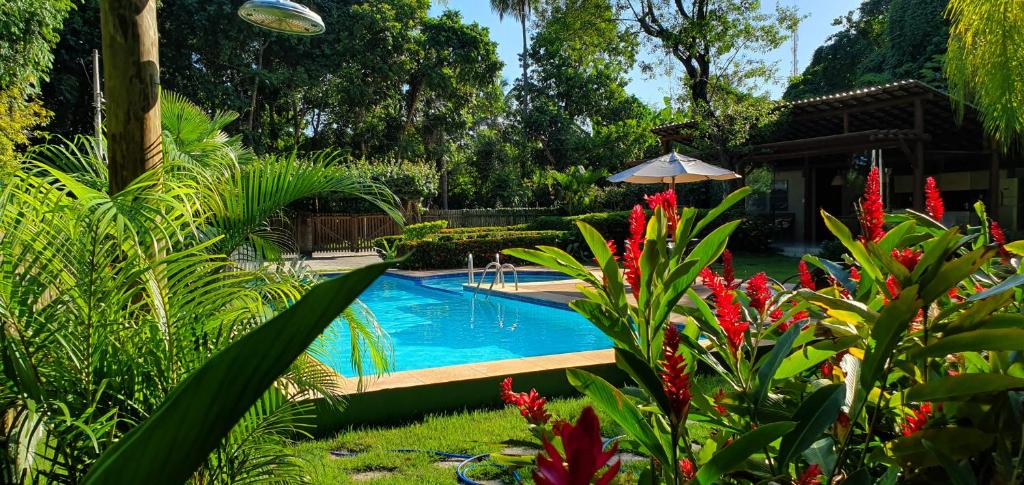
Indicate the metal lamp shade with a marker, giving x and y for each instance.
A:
(282, 16)
(673, 168)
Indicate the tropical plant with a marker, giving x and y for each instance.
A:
(574, 189)
(983, 64)
(519, 10)
(109, 301)
(900, 360)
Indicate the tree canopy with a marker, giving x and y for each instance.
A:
(882, 41)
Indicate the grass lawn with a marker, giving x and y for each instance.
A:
(776, 266)
(470, 433)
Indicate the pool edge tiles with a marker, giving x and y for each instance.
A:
(474, 371)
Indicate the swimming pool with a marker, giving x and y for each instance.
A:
(434, 323)
(454, 282)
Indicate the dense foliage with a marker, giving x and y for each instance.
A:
(28, 31)
(445, 250)
(882, 41)
(899, 361)
(109, 302)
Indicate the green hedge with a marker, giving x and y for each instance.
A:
(423, 230)
(443, 253)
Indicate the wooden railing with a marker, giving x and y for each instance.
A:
(356, 232)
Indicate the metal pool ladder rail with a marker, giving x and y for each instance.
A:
(499, 274)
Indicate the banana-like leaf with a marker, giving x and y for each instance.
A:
(178, 437)
(891, 323)
(812, 355)
(1005, 285)
(769, 364)
(645, 377)
(729, 201)
(1016, 247)
(964, 386)
(953, 272)
(734, 455)
(957, 442)
(975, 341)
(813, 418)
(612, 402)
(855, 247)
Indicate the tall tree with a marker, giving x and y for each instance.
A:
(881, 41)
(131, 69)
(520, 11)
(719, 44)
(984, 64)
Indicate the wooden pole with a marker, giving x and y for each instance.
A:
(131, 71)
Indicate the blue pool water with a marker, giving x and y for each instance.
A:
(436, 324)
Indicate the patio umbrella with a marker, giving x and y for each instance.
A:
(673, 168)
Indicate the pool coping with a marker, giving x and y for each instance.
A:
(474, 371)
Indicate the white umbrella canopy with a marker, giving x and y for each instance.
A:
(673, 168)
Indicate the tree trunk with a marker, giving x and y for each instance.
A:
(132, 72)
(526, 65)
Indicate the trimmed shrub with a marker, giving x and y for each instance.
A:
(415, 232)
(439, 253)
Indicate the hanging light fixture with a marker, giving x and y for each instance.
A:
(282, 16)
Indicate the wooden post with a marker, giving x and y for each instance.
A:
(918, 162)
(305, 235)
(131, 70)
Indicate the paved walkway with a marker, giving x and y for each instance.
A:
(332, 261)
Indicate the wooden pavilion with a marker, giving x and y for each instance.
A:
(825, 144)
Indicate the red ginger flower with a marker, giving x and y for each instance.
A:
(634, 248)
(999, 238)
(916, 422)
(531, 404)
(933, 199)
(810, 476)
(872, 215)
(674, 378)
(584, 455)
(854, 274)
(758, 291)
(729, 316)
(826, 369)
(893, 286)
(712, 281)
(688, 470)
(806, 280)
(907, 257)
(728, 272)
(667, 201)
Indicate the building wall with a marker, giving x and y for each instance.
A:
(795, 201)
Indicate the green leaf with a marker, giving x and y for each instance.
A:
(891, 323)
(812, 355)
(606, 259)
(1003, 286)
(612, 402)
(723, 206)
(813, 417)
(961, 387)
(957, 475)
(855, 247)
(645, 377)
(821, 453)
(953, 272)
(957, 442)
(1016, 247)
(734, 455)
(975, 341)
(769, 364)
(179, 436)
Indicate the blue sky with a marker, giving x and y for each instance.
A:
(813, 32)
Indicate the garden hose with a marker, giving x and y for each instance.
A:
(469, 462)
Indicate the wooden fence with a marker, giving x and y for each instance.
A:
(485, 217)
(356, 232)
